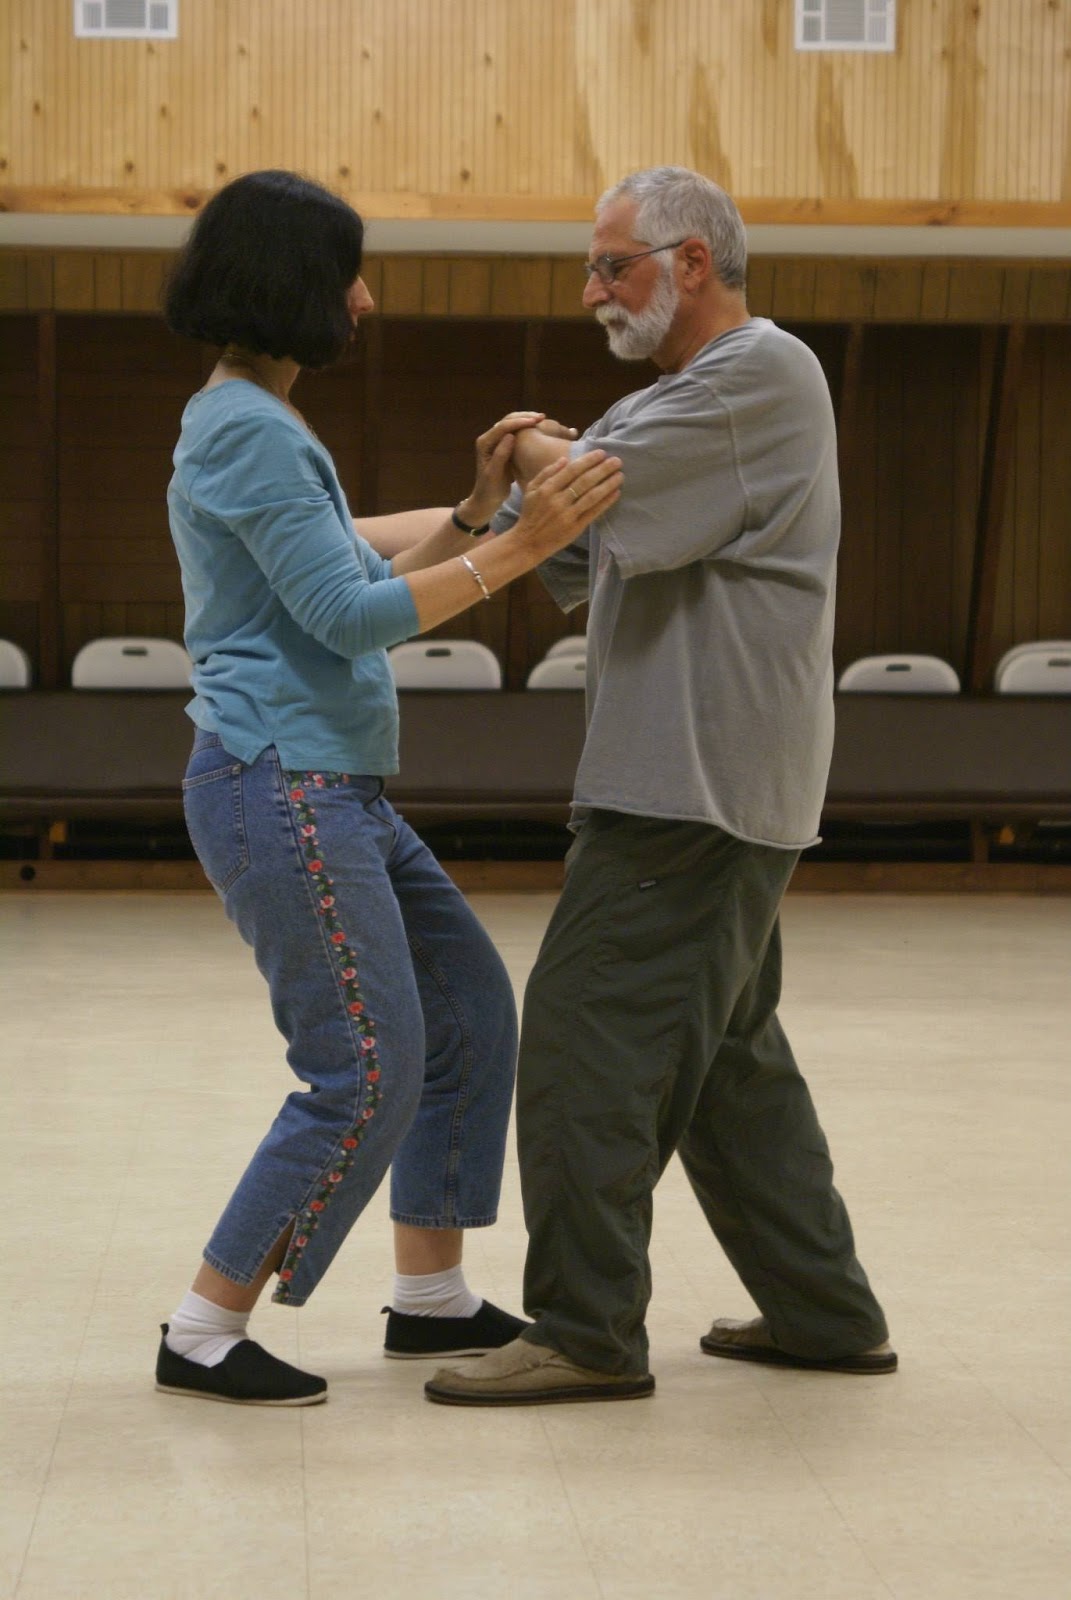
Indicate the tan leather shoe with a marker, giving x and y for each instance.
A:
(751, 1341)
(525, 1374)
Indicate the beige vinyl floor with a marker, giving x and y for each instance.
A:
(139, 1067)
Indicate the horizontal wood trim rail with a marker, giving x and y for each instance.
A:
(408, 206)
(866, 289)
(546, 877)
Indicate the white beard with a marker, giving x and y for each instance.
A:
(635, 335)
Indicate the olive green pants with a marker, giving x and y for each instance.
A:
(650, 1025)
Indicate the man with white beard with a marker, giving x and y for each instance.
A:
(650, 1021)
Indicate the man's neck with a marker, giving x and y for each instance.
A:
(683, 344)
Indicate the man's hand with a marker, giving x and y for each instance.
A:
(494, 478)
(498, 460)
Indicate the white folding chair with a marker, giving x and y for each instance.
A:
(131, 664)
(444, 664)
(574, 644)
(902, 674)
(1043, 667)
(559, 672)
(15, 669)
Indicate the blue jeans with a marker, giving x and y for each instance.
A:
(397, 1013)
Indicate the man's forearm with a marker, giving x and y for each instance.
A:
(532, 451)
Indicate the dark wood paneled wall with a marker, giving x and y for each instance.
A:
(1034, 592)
(22, 485)
(85, 547)
(121, 387)
(910, 491)
(790, 288)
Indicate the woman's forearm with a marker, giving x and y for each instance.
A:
(389, 536)
(446, 541)
(560, 503)
(450, 586)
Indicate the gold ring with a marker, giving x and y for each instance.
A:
(573, 492)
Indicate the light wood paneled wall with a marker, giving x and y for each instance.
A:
(508, 108)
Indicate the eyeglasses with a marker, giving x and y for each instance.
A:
(608, 268)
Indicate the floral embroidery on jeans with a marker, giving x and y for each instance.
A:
(299, 785)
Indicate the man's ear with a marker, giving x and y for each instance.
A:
(697, 262)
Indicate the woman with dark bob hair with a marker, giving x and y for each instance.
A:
(395, 1007)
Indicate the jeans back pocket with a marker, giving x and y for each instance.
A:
(212, 801)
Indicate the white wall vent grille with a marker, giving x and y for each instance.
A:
(126, 19)
(845, 24)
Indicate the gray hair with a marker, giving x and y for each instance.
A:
(677, 203)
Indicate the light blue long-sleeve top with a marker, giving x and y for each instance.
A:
(288, 612)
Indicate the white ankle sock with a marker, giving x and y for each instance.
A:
(204, 1332)
(435, 1294)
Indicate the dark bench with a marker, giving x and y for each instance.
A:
(69, 755)
(930, 757)
(66, 756)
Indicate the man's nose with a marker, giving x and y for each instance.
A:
(596, 292)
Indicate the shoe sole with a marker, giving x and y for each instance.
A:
(542, 1397)
(230, 1400)
(438, 1355)
(862, 1366)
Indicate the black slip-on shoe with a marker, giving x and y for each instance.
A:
(751, 1341)
(247, 1376)
(422, 1338)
